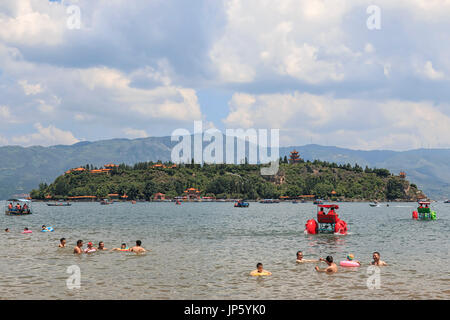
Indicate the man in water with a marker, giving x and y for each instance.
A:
(123, 247)
(301, 260)
(7, 230)
(332, 267)
(77, 249)
(101, 246)
(62, 243)
(90, 248)
(376, 260)
(259, 270)
(137, 248)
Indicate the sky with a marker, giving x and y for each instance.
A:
(339, 73)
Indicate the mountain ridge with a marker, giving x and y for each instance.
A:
(23, 168)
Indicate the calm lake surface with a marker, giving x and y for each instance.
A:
(206, 251)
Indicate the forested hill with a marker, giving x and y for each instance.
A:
(143, 180)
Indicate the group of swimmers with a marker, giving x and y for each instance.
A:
(332, 267)
(78, 249)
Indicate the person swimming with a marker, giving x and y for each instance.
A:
(137, 248)
(101, 246)
(260, 271)
(301, 260)
(77, 249)
(351, 257)
(62, 243)
(123, 247)
(376, 260)
(332, 267)
(7, 230)
(90, 248)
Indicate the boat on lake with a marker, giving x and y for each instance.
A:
(270, 201)
(106, 201)
(18, 207)
(326, 222)
(424, 212)
(59, 204)
(241, 204)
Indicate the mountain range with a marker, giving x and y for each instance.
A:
(23, 168)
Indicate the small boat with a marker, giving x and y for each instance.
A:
(424, 212)
(18, 207)
(447, 201)
(318, 201)
(326, 222)
(106, 201)
(295, 201)
(374, 204)
(59, 204)
(241, 204)
(270, 201)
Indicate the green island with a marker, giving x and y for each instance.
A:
(297, 179)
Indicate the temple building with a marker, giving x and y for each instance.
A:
(294, 157)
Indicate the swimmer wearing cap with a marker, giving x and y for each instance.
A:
(89, 248)
(351, 257)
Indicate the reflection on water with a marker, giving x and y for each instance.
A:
(206, 251)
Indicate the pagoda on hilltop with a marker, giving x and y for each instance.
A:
(294, 157)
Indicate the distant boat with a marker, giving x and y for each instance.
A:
(270, 201)
(374, 204)
(59, 204)
(106, 201)
(14, 211)
(241, 204)
(318, 201)
(447, 201)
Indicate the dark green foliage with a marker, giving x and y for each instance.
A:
(142, 181)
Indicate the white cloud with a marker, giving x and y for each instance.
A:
(135, 133)
(46, 136)
(354, 123)
(30, 89)
(431, 73)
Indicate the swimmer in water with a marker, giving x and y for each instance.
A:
(376, 260)
(44, 227)
(90, 248)
(62, 243)
(137, 248)
(259, 270)
(332, 267)
(301, 260)
(77, 249)
(7, 230)
(123, 247)
(350, 257)
(101, 246)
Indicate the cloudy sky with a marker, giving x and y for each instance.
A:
(311, 68)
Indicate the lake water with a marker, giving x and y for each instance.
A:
(206, 251)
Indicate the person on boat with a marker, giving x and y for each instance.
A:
(18, 207)
(260, 270)
(301, 260)
(332, 212)
(123, 247)
(321, 211)
(77, 249)
(101, 246)
(10, 206)
(62, 243)
(376, 260)
(90, 248)
(332, 267)
(137, 248)
(25, 208)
